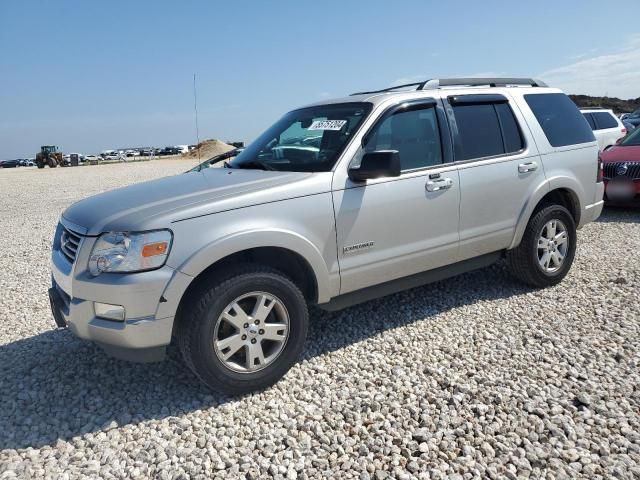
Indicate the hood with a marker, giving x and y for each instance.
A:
(158, 203)
(618, 153)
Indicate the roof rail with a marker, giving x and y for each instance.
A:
(462, 82)
(419, 86)
(481, 81)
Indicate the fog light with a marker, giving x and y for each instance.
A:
(108, 311)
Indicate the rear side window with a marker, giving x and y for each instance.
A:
(589, 120)
(560, 119)
(486, 130)
(604, 120)
(510, 131)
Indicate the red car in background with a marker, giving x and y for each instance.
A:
(622, 171)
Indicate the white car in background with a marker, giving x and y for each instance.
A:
(607, 128)
(91, 159)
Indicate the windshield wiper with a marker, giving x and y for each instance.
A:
(255, 165)
(216, 159)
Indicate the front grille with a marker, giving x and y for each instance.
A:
(69, 243)
(611, 170)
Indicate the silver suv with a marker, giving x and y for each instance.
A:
(336, 203)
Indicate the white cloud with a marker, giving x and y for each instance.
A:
(615, 74)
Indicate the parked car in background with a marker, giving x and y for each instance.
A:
(169, 151)
(112, 155)
(607, 128)
(622, 171)
(634, 118)
(629, 126)
(10, 164)
(91, 158)
(132, 153)
(227, 260)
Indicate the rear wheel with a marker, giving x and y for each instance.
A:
(244, 331)
(547, 249)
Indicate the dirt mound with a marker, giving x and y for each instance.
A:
(208, 148)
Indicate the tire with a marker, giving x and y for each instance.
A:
(524, 261)
(200, 326)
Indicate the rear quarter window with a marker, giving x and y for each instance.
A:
(560, 119)
(604, 120)
(589, 119)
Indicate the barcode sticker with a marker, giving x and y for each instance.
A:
(327, 125)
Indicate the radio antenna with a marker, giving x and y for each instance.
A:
(195, 108)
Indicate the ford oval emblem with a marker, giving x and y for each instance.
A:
(622, 169)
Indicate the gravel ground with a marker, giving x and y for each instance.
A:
(474, 377)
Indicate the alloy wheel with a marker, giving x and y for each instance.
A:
(251, 332)
(553, 245)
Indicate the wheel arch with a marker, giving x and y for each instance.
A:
(550, 192)
(289, 252)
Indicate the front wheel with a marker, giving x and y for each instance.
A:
(244, 331)
(547, 249)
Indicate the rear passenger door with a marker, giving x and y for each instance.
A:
(499, 168)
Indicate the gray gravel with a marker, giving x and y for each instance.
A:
(474, 377)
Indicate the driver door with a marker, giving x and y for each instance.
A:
(388, 228)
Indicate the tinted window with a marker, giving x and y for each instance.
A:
(510, 131)
(414, 134)
(560, 119)
(589, 119)
(478, 130)
(604, 120)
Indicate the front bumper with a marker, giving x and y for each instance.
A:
(630, 200)
(148, 324)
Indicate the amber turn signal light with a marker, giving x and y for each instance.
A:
(153, 249)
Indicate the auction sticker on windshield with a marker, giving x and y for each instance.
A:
(327, 124)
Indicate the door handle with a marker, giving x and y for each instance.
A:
(527, 167)
(439, 184)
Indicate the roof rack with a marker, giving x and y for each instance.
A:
(436, 83)
(419, 86)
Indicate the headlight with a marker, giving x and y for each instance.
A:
(130, 251)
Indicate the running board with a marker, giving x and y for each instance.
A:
(412, 281)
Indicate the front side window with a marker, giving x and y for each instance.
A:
(306, 140)
(413, 133)
(604, 120)
(560, 119)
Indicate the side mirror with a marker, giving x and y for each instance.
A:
(381, 163)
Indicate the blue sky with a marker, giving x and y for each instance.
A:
(95, 75)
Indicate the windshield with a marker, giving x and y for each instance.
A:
(305, 140)
(632, 138)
